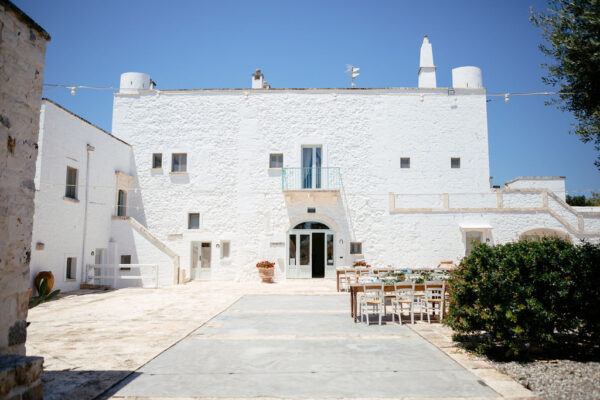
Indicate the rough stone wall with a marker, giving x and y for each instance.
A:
(22, 50)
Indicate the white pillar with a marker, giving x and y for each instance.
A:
(426, 67)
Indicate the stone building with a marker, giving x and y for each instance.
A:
(312, 179)
(22, 52)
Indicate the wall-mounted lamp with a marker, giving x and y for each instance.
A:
(341, 241)
(92, 253)
(218, 245)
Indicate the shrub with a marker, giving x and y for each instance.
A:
(519, 296)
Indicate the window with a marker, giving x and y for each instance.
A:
(126, 259)
(179, 162)
(122, 203)
(405, 162)
(473, 238)
(157, 160)
(193, 221)
(71, 187)
(355, 248)
(276, 160)
(225, 247)
(455, 162)
(71, 268)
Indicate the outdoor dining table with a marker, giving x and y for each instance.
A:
(356, 288)
(339, 271)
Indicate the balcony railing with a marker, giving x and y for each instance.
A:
(316, 178)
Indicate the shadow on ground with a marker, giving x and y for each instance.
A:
(80, 385)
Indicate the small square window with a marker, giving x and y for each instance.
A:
(193, 221)
(157, 160)
(455, 162)
(179, 162)
(276, 160)
(71, 269)
(126, 259)
(405, 162)
(71, 185)
(225, 248)
(355, 248)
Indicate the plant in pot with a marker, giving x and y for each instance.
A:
(44, 294)
(360, 264)
(266, 270)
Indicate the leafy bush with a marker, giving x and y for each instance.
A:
(521, 296)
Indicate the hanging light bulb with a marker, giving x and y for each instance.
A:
(506, 98)
(72, 90)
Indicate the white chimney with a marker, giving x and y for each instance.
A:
(426, 67)
(257, 80)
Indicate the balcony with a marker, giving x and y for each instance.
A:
(311, 183)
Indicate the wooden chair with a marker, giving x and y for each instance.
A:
(434, 298)
(404, 296)
(372, 298)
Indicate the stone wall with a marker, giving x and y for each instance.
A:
(22, 51)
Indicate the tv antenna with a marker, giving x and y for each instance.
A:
(353, 71)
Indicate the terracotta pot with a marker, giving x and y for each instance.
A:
(266, 274)
(49, 279)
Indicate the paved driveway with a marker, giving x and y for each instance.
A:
(301, 346)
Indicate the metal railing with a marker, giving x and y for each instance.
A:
(315, 178)
(114, 274)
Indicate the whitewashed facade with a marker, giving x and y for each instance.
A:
(222, 179)
(76, 222)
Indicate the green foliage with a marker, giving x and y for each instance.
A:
(43, 297)
(582, 201)
(518, 297)
(572, 30)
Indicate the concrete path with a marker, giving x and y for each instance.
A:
(301, 347)
(91, 340)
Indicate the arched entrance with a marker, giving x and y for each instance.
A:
(310, 250)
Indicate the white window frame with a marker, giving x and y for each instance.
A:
(153, 159)
(223, 243)
(76, 185)
(360, 253)
(173, 171)
(271, 160)
(188, 221)
(74, 269)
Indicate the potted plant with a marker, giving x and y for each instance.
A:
(360, 264)
(266, 270)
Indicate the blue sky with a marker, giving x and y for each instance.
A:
(218, 44)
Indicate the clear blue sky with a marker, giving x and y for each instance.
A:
(218, 44)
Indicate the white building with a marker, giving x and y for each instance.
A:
(316, 178)
(81, 173)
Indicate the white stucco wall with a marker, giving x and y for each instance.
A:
(228, 136)
(554, 184)
(128, 241)
(58, 222)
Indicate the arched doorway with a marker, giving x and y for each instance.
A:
(310, 250)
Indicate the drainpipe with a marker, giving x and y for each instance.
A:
(90, 148)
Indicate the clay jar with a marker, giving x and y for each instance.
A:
(47, 275)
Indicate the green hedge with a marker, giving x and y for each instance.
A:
(522, 296)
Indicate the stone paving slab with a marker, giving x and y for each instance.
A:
(324, 356)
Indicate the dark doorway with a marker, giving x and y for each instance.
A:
(318, 255)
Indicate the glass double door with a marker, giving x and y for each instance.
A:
(312, 250)
(311, 167)
(200, 260)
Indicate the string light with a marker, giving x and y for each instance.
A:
(506, 96)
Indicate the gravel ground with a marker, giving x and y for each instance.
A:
(556, 379)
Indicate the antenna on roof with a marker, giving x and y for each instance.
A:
(353, 71)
